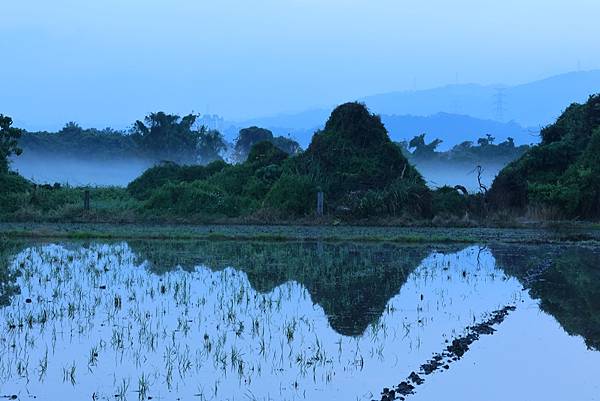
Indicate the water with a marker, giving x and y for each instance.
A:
(294, 321)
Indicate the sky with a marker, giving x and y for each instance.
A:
(109, 62)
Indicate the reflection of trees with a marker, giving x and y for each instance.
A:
(352, 282)
(7, 278)
(566, 280)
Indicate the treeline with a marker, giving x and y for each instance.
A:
(159, 137)
(484, 151)
(361, 172)
(353, 162)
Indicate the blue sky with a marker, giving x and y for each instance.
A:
(108, 62)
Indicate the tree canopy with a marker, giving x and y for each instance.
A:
(9, 142)
(168, 137)
(211, 144)
(250, 136)
(559, 176)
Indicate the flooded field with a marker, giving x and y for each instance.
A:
(201, 320)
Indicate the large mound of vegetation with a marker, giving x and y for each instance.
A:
(352, 160)
(560, 176)
(360, 170)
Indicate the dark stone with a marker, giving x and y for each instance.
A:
(415, 378)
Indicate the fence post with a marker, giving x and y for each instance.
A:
(320, 203)
(86, 200)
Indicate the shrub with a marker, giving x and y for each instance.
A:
(446, 200)
(143, 186)
(293, 194)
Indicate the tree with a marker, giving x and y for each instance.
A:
(487, 140)
(248, 137)
(168, 137)
(288, 145)
(422, 149)
(210, 145)
(9, 142)
(71, 129)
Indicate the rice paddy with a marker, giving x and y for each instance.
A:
(160, 320)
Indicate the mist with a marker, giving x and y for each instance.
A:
(438, 174)
(49, 169)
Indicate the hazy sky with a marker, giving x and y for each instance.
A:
(105, 62)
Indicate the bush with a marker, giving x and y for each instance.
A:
(196, 198)
(143, 186)
(447, 201)
(292, 194)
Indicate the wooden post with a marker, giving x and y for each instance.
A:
(86, 200)
(320, 203)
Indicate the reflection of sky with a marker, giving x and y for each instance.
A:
(529, 358)
(317, 363)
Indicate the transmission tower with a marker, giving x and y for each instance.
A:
(499, 104)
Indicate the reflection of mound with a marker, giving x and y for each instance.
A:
(351, 282)
(566, 280)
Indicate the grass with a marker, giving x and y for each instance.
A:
(281, 233)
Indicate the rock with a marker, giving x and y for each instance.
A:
(405, 388)
(415, 378)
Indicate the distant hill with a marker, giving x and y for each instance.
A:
(534, 104)
(451, 128)
(455, 113)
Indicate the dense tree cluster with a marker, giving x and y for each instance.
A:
(160, 137)
(560, 176)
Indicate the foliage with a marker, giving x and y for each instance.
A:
(466, 153)
(353, 157)
(9, 137)
(160, 137)
(13, 189)
(211, 144)
(362, 173)
(167, 137)
(421, 148)
(75, 142)
(447, 200)
(153, 178)
(352, 160)
(292, 194)
(194, 198)
(248, 137)
(561, 173)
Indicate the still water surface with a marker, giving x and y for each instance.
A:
(295, 321)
